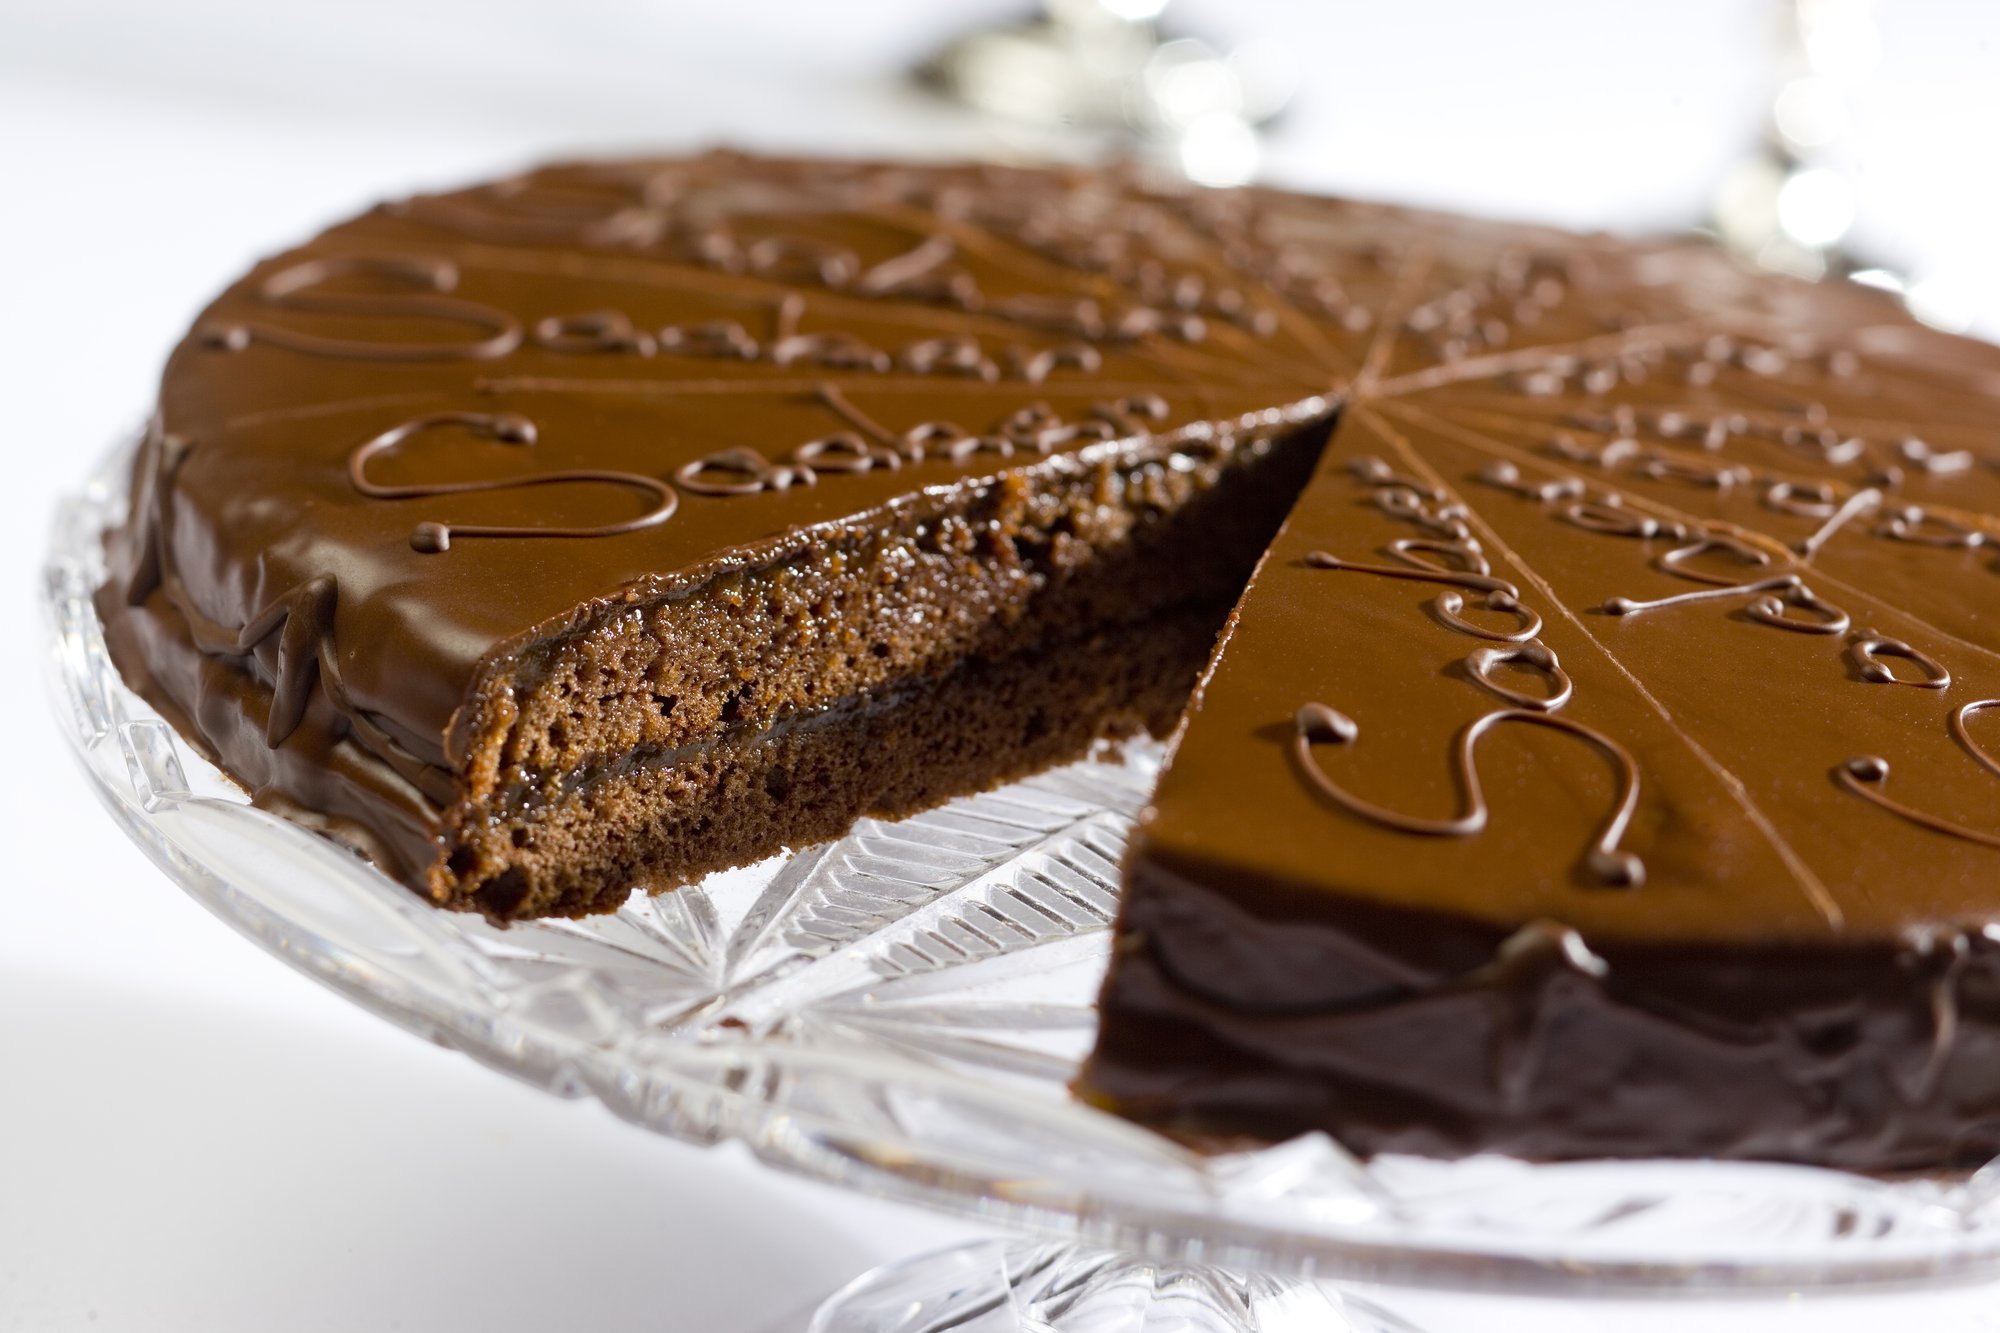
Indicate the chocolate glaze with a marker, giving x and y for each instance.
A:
(1807, 969)
(1503, 819)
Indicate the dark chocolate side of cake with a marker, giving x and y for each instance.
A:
(1413, 1031)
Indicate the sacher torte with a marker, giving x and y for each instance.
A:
(1596, 758)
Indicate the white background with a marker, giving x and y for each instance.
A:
(191, 1136)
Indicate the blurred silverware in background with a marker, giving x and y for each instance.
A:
(1103, 73)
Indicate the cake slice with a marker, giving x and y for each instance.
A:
(622, 523)
(1570, 787)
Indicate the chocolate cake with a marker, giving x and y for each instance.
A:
(1599, 759)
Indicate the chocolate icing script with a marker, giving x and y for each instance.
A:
(1782, 600)
(428, 281)
(672, 215)
(740, 471)
(1914, 523)
(1457, 559)
(1479, 664)
(506, 428)
(1036, 429)
(1868, 775)
(1822, 616)
(1776, 597)
(1869, 648)
(1824, 499)
(1317, 722)
(1476, 575)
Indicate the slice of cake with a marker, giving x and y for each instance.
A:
(1694, 868)
(617, 524)
(1604, 761)
(1600, 760)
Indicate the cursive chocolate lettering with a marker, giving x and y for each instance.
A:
(1822, 617)
(1836, 518)
(1867, 776)
(510, 428)
(1316, 723)
(802, 259)
(1947, 464)
(1920, 526)
(1607, 455)
(716, 338)
(1480, 662)
(1470, 572)
(426, 285)
(740, 472)
(920, 274)
(948, 356)
(1609, 516)
(1507, 477)
(1678, 561)
(594, 331)
(1870, 647)
(1665, 467)
(1036, 366)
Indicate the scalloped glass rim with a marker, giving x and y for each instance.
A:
(898, 1013)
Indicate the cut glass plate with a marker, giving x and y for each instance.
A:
(900, 1013)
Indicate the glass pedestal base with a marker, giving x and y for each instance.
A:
(1002, 1286)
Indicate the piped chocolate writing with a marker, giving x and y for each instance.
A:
(433, 536)
(1867, 776)
(1605, 861)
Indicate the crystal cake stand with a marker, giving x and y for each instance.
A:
(899, 1013)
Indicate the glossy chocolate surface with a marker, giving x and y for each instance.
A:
(1634, 651)
(1604, 760)
(390, 464)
